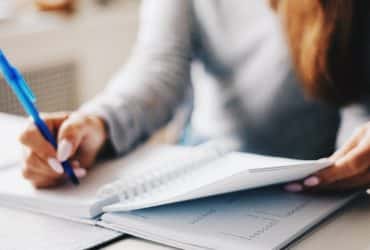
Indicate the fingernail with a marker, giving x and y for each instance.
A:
(55, 165)
(64, 150)
(312, 181)
(80, 172)
(294, 187)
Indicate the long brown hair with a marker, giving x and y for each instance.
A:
(326, 39)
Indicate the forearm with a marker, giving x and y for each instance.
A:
(144, 95)
(137, 104)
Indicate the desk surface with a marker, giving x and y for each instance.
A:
(347, 229)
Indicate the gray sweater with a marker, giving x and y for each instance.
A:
(241, 44)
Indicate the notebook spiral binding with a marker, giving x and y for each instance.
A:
(136, 186)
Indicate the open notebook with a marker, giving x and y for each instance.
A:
(266, 218)
(167, 174)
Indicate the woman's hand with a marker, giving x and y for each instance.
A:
(80, 138)
(350, 169)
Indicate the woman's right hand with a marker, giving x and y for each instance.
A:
(80, 139)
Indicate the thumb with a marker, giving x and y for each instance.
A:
(70, 136)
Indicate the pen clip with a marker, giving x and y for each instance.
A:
(15, 78)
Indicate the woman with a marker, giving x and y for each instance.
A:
(297, 76)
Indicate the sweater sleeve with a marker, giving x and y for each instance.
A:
(144, 95)
(352, 117)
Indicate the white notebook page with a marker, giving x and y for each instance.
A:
(266, 218)
(24, 230)
(74, 201)
(10, 148)
(230, 172)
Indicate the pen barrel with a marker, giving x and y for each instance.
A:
(27, 99)
(69, 171)
(6, 68)
(44, 130)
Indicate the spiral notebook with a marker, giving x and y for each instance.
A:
(212, 170)
(155, 176)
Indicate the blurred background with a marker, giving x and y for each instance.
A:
(68, 50)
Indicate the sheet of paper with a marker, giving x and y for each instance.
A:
(140, 161)
(231, 172)
(266, 218)
(22, 230)
(68, 196)
(10, 148)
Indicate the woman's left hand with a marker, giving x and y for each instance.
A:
(350, 168)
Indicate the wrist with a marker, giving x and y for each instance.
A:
(107, 150)
(101, 126)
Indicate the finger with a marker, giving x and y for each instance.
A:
(35, 165)
(41, 184)
(54, 120)
(75, 164)
(79, 172)
(39, 174)
(355, 162)
(349, 145)
(86, 155)
(33, 139)
(33, 159)
(294, 187)
(357, 182)
(70, 136)
(358, 159)
(334, 174)
(362, 147)
(39, 181)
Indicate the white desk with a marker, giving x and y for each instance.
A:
(348, 229)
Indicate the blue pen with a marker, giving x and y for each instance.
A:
(25, 96)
